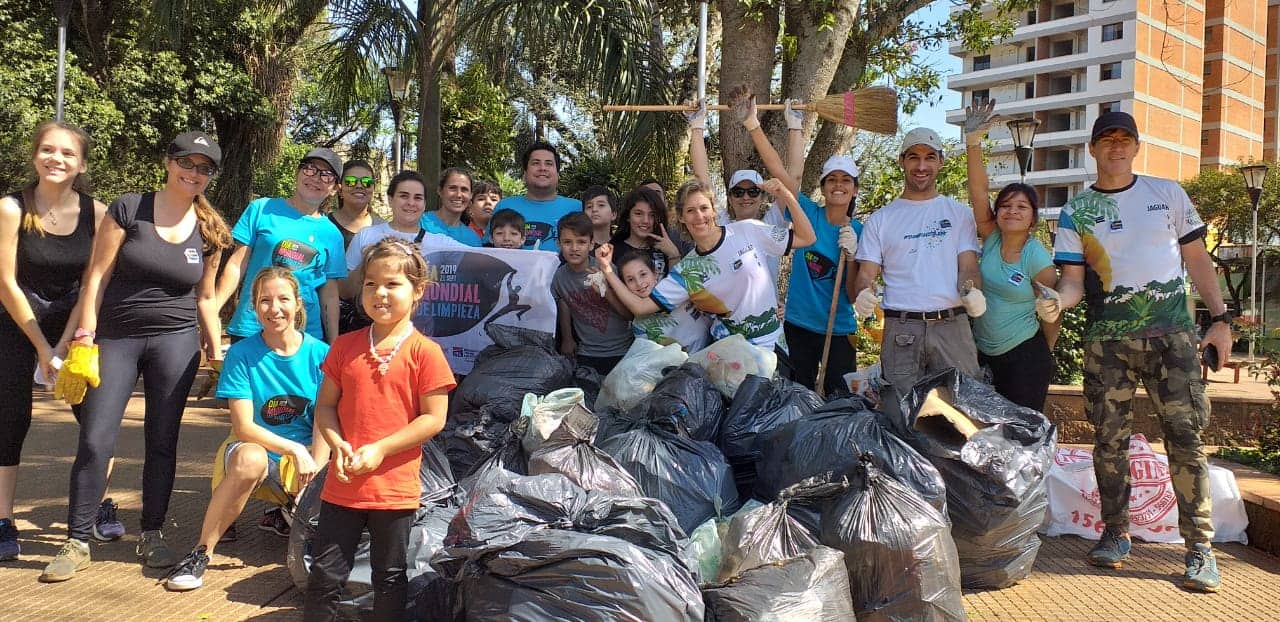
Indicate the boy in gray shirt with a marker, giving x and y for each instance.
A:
(594, 327)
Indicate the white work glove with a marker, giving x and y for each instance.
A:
(868, 300)
(974, 301)
(697, 118)
(795, 118)
(848, 241)
(595, 280)
(1048, 303)
(977, 120)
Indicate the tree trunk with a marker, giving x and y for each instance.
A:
(746, 57)
(820, 46)
(250, 145)
(429, 132)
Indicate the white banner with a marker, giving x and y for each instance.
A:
(472, 288)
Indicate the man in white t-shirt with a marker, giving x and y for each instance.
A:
(925, 245)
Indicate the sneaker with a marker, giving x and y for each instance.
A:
(273, 520)
(189, 573)
(154, 551)
(73, 556)
(9, 548)
(229, 535)
(1202, 569)
(107, 528)
(1112, 549)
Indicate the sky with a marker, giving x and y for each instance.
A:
(935, 116)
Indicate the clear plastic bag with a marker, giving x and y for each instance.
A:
(637, 374)
(729, 361)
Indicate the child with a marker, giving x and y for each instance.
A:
(506, 229)
(642, 226)
(600, 206)
(385, 393)
(593, 315)
(484, 195)
(685, 325)
(270, 380)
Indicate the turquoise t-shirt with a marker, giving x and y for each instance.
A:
(813, 274)
(278, 235)
(1011, 299)
(540, 218)
(460, 232)
(282, 388)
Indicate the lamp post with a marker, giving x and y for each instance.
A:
(63, 8)
(1254, 175)
(398, 90)
(1024, 135)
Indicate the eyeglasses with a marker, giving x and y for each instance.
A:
(311, 170)
(208, 170)
(358, 182)
(738, 193)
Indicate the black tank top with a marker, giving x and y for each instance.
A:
(346, 235)
(49, 266)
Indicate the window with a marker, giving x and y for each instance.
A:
(1110, 71)
(1058, 122)
(1111, 32)
(981, 62)
(1061, 11)
(1059, 85)
(1062, 48)
(980, 96)
(1057, 159)
(1031, 17)
(1029, 90)
(1055, 196)
(1204, 139)
(1031, 53)
(1208, 69)
(1106, 107)
(1208, 34)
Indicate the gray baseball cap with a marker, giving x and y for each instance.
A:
(327, 156)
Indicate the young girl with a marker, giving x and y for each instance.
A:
(600, 206)
(270, 381)
(686, 325)
(642, 226)
(384, 394)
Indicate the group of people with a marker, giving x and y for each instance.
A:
(325, 366)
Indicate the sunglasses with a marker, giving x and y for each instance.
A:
(208, 170)
(738, 193)
(311, 170)
(358, 182)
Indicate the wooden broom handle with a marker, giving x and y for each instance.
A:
(676, 108)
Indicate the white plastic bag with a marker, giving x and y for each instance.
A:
(729, 361)
(545, 413)
(637, 374)
(1074, 506)
(866, 382)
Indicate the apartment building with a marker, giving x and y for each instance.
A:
(1200, 78)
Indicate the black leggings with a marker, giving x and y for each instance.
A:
(17, 365)
(337, 536)
(168, 365)
(1022, 375)
(805, 348)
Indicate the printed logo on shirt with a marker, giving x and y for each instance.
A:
(192, 254)
(1097, 220)
(820, 267)
(737, 264)
(1117, 225)
(1017, 278)
(293, 255)
(944, 224)
(1158, 207)
(589, 306)
(282, 409)
(535, 231)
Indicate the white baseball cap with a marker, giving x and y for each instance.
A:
(921, 136)
(838, 163)
(745, 174)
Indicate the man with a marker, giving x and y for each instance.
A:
(541, 207)
(926, 247)
(1122, 245)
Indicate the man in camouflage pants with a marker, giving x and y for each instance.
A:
(1122, 245)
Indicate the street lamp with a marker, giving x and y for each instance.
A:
(63, 8)
(1024, 135)
(398, 90)
(1254, 175)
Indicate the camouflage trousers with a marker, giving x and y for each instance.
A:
(1170, 372)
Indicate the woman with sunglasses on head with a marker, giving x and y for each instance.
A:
(643, 228)
(149, 309)
(290, 233)
(352, 216)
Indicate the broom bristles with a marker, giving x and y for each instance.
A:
(875, 109)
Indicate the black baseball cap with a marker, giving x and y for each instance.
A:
(1114, 120)
(327, 156)
(195, 143)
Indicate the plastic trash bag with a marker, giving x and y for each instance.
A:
(994, 470)
(702, 551)
(768, 533)
(545, 412)
(637, 374)
(830, 440)
(508, 455)
(569, 452)
(812, 587)
(686, 397)
(729, 361)
(589, 380)
(760, 406)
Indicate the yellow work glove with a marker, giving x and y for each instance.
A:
(78, 373)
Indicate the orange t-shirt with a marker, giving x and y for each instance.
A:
(371, 408)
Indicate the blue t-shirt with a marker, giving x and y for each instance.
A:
(278, 235)
(540, 218)
(813, 274)
(1011, 299)
(282, 388)
(460, 232)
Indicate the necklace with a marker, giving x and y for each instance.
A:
(384, 362)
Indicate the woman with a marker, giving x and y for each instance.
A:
(1015, 336)
(149, 285)
(270, 381)
(726, 275)
(454, 191)
(353, 215)
(291, 233)
(484, 196)
(642, 227)
(46, 232)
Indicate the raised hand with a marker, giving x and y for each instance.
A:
(775, 188)
(605, 255)
(697, 118)
(977, 120)
(742, 105)
(663, 242)
(795, 118)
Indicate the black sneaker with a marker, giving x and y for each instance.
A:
(189, 573)
(106, 527)
(9, 548)
(273, 520)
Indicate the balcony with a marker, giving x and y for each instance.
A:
(1119, 10)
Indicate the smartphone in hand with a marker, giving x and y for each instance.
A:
(1209, 356)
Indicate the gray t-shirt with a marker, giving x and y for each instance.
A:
(599, 330)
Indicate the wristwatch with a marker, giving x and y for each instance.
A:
(1225, 317)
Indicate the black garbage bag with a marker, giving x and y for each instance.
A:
(508, 455)
(995, 478)
(490, 397)
(570, 452)
(589, 380)
(898, 550)
(760, 406)
(811, 587)
(535, 548)
(830, 440)
(769, 533)
(686, 398)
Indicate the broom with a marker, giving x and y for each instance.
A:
(819, 384)
(874, 109)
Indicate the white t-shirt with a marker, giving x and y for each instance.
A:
(916, 244)
(732, 281)
(773, 217)
(373, 234)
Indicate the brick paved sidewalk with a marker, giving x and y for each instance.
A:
(247, 579)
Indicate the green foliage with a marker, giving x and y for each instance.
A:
(477, 123)
(278, 181)
(882, 178)
(1068, 352)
